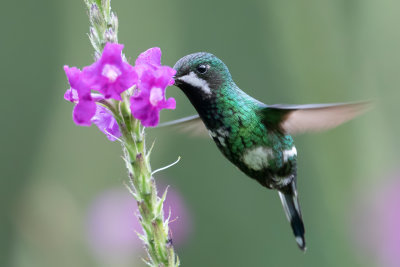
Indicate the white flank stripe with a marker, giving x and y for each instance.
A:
(195, 81)
(221, 141)
(222, 132)
(212, 134)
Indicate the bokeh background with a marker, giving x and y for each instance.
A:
(62, 197)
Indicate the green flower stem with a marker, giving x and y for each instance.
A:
(143, 187)
(103, 24)
(103, 29)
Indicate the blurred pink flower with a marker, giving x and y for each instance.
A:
(113, 224)
(376, 225)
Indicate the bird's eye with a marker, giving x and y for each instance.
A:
(202, 68)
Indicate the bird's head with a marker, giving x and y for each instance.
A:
(201, 75)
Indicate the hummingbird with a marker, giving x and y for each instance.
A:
(255, 137)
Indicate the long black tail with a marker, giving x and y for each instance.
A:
(291, 206)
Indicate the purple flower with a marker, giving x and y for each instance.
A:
(147, 103)
(150, 60)
(151, 56)
(80, 93)
(102, 116)
(110, 75)
(106, 123)
(71, 95)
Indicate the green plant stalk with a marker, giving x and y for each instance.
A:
(103, 29)
(156, 231)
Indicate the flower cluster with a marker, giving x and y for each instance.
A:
(111, 76)
(154, 78)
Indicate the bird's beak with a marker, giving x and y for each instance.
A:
(177, 80)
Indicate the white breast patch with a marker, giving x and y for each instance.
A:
(257, 158)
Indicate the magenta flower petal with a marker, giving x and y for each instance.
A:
(73, 76)
(150, 60)
(149, 116)
(169, 104)
(79, 92)
(157, 77)
(150, 56)
(71, 95)
(141, 109)
(106, 123)
(153, 80)
(146, 112)
(110, 75)
(171, 82)
(83, 112)
(76, 82)
(152, 119)
(146, 107)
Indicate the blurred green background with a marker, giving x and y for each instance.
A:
(277, 51)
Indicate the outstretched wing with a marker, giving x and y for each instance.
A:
(191, 125)
(296, 119)
(291, 119)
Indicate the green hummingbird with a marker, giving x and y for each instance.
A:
(255, 137)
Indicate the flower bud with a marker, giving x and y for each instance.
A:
(95, 14)
(114, 22)
(94, 34)
(110, 36)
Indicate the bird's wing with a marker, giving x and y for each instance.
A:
(191, 125)
(296, 119)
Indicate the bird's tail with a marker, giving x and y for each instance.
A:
(290, 202)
